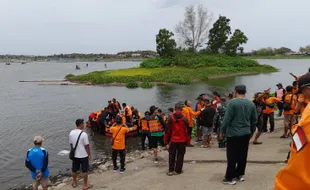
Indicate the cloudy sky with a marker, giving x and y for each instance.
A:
(40, 27)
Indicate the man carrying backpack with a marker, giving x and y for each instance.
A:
(289, 107)
(176, 139)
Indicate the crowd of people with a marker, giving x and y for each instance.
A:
(232, 119)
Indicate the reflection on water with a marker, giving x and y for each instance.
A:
(28, 109)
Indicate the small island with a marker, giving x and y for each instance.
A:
(189, 63)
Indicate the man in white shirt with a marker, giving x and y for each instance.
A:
(82, 153)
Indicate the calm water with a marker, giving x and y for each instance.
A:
(28, 109)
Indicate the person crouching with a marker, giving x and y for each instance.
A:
(176, 139)
(119, 130)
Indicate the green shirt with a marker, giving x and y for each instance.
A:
(240, 118)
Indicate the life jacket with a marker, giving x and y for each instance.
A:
(155, 125)
(144, 124)
(288, 100)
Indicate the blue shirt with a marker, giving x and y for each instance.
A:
(36, 158)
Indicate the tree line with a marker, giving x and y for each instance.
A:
(269, 51)
(194, 34)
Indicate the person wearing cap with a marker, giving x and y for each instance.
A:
(280, 92)
(239, 124)
(145, 130)
(157, 127)
(79, 138)
(296, 174)
(37, 162)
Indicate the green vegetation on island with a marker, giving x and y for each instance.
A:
(192, 62)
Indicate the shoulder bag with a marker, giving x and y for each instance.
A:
(72, 151)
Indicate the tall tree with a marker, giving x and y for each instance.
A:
(165, 44)
(193, 30)
(282, 50)
(305, 49)
(232, 45)
(218, 35)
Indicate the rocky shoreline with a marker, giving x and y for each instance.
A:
(98, 166)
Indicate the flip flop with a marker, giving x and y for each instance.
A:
(74, 185)
(88, 187)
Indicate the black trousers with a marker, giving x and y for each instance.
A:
(122, 155)
(145, 135)
(237, 153)
(189, 130)
(176, 156)
(280, 107)
(271, 121)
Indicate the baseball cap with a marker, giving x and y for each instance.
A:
(304, 81)
(241, 88)
(38, 139)
(78, 122)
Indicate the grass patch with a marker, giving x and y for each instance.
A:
(132, 85)
(177, 75)
(69, 76)
(146, 85)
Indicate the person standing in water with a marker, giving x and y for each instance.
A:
(239, 124)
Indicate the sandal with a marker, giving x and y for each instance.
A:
(202, 146)
(74, 185)
(89, 186)
(257, 143)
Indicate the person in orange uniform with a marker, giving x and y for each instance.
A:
(119, 131)
(190, 113)
(302, 103)
(296, 174)
(269, 112)
(145, 130)
(289, 106)
(128, 112)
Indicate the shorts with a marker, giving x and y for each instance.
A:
(207, 131)
(157, 139)
(289, 120)
(43, 182)
(77, 163)
(259, 125)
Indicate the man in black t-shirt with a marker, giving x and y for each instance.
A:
(260, 106)
(207, 116)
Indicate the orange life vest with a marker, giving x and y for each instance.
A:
(144, 125)
(155, 126)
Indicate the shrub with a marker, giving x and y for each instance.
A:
(151, 63)
(132, 85)
(146, 85)
(69, 76)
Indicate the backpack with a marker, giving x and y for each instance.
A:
(287, 106)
